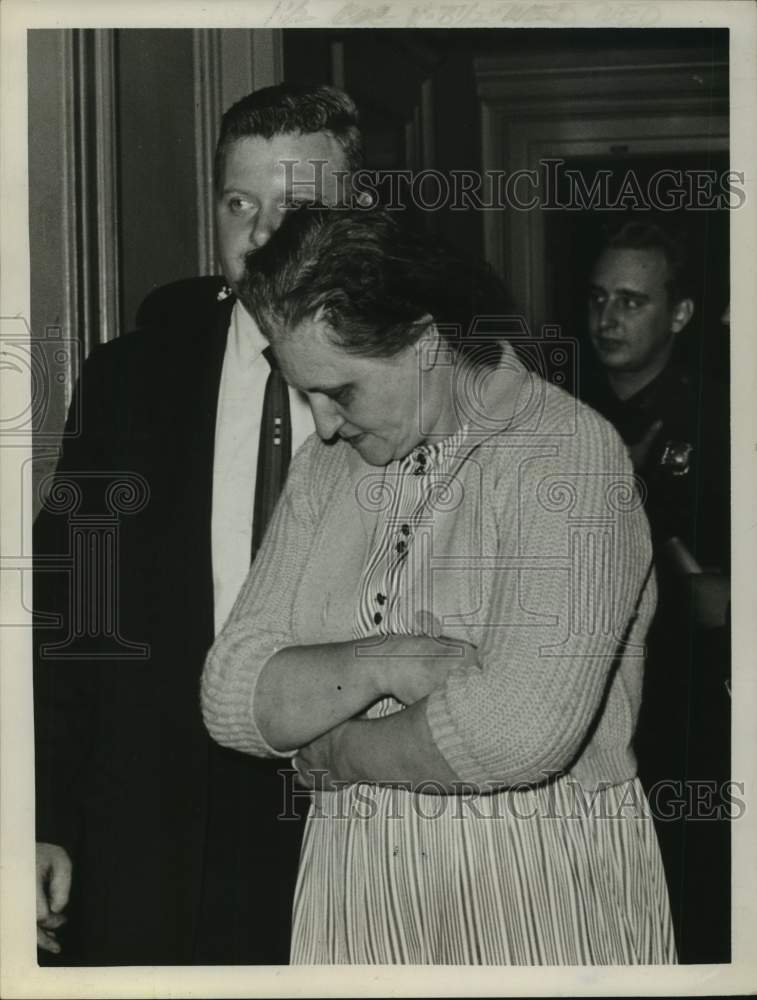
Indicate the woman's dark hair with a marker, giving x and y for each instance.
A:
(374, 280)
(287, 109)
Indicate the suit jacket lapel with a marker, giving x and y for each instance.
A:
(200, 406)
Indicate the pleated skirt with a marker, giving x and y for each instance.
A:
(544, 876)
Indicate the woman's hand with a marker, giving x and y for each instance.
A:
(317, 763)
(411, 667)
(395, 750)
(406, 667)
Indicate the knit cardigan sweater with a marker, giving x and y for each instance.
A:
(537, 552)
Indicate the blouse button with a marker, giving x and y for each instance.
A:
(377, 618)
(405, 529)
(381, 598)
(401, 546)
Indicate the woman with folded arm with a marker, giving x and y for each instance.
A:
(444, 626)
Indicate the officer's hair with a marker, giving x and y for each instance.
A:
(650, 236)
(289, 109)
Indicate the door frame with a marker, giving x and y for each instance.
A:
(552, 108)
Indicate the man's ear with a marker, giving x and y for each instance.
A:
(682, 313)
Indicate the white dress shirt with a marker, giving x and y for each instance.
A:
(235, 464)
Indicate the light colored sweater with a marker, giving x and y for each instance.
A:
(539, 555)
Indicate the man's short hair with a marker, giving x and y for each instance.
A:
(288, 109)
(651, 236)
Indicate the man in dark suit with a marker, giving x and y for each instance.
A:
(154, 845)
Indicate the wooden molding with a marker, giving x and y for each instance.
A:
(75, 260)
(88, 114)
(70, 304)
(570, 106)
(427, 123)
(336, 53)
(208, 101)
(105, 153)
(568, 79)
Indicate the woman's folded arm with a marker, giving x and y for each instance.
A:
(396, 750)
(304, 691)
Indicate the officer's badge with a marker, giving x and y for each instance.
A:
(676, 457)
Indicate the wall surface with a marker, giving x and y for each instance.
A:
(50, 320)
(156, 137)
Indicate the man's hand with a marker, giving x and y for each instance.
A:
(53, 888)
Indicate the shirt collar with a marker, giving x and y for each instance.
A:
(244, 333)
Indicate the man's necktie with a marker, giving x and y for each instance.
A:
(274, 450)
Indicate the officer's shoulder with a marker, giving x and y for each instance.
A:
(687, 391)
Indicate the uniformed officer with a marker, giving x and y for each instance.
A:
(675, 422)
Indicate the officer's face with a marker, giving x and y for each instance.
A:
(258, 185)
(632, 322)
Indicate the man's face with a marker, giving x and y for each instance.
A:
(257, 187)
(632, 322)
